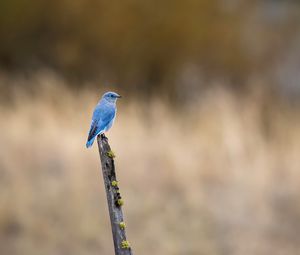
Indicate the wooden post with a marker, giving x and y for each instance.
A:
(114, 200)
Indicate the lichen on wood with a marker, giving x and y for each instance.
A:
(114, 199)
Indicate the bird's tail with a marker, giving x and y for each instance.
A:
(90, 142)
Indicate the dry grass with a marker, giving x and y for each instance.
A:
(220, 177)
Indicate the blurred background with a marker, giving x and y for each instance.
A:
(207, 136)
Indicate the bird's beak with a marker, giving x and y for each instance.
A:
(119, 96)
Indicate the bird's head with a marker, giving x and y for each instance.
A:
(111, 96)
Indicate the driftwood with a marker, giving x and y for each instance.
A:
(114, 200)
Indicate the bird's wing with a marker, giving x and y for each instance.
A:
(102, 115)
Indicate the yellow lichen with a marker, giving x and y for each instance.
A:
(125, 244)
(122, 225)
(120, 202)
(111, 154)
(114, 183)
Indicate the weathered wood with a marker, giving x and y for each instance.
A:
(114, 199)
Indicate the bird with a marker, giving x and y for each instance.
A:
(103, 116)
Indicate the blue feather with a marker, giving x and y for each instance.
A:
(103, 116)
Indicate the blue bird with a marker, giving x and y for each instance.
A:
(103, 116)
